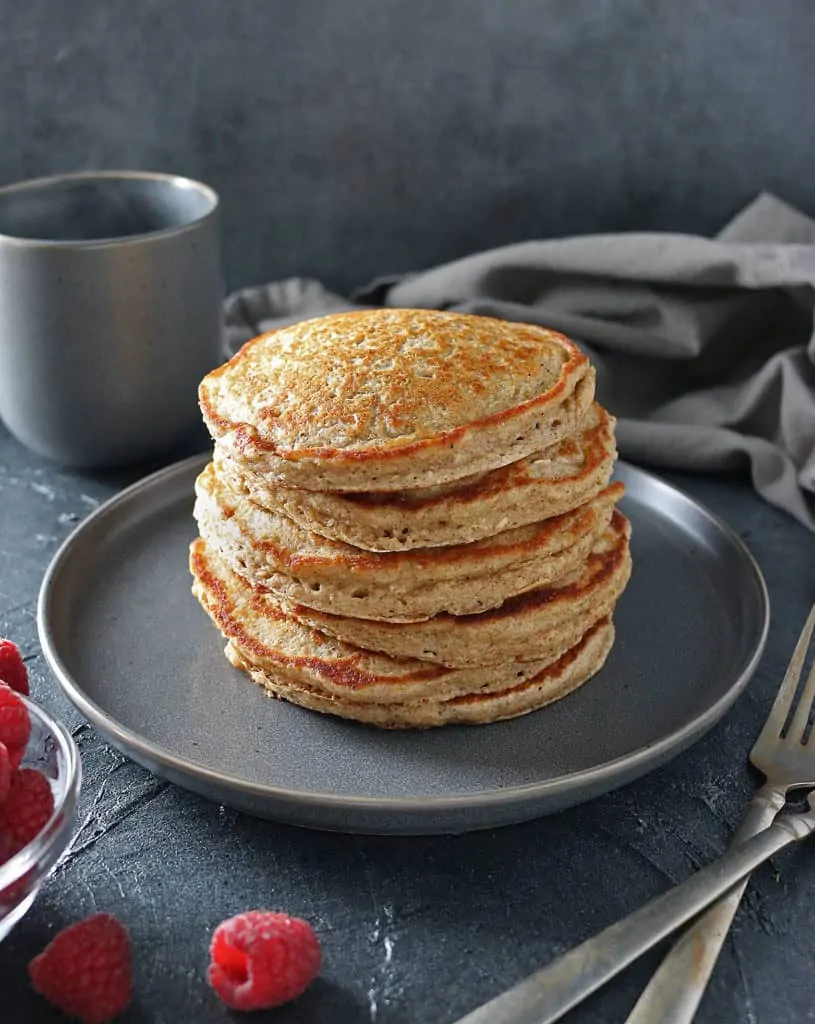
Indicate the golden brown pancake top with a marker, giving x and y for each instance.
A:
(356, 384)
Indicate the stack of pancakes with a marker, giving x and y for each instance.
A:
(407, 519)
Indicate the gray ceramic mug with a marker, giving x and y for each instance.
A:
(110, 313)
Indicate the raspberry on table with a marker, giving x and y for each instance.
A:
(12, 667)
(27, 807)
(86, 970)
(15, 724)
(261, 959)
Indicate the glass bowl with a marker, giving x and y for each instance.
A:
(52, 751)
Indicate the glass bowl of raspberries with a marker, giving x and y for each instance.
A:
(40, 776)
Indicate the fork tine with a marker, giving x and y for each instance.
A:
(803, 709)
(801, 717)
(786, 694)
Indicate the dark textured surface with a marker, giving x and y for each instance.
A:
(355, 138)
(414, 930)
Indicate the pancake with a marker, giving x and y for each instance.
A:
(514, 631)
(545, 484)
(272, 551)
(408, 519)
(393, 399)
(271, 642)
(552, 683)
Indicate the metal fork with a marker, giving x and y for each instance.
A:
(787, 760)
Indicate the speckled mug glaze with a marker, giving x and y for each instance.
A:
(110, 313)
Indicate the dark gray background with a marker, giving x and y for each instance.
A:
(350, 138)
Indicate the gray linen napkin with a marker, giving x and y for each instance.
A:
(704, 348)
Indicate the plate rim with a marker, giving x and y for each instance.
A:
(126, 739)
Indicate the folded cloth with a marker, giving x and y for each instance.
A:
(704, 348)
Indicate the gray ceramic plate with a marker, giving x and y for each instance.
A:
(138, 657)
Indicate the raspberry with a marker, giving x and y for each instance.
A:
(12, 667)
(27, 807)
(7, 851)
(15, 725)
(5, 772)
(261, 959)
(86, 970)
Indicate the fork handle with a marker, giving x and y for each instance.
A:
(673, 994)
(549, 993)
